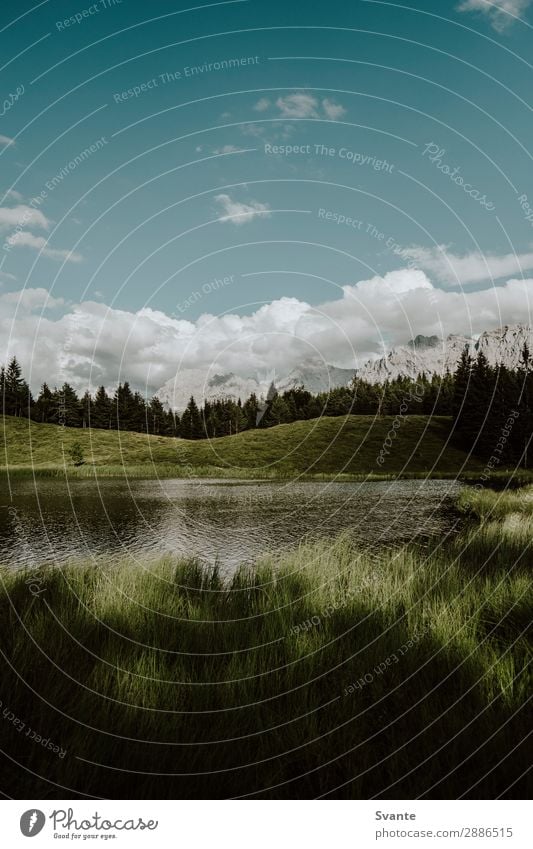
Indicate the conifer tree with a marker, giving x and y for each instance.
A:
(44, 406)
(101, 409)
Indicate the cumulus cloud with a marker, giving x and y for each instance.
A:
(24, 239)
(239, 212)
(454, 270)
(30, 300)
(91, 343)
(302, 104)
(501, 13)
(6, 141)
(333, 110)
(262, 104)
(17, 218)
(22, 215)
(298, 105)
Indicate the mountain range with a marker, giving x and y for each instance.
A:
(429, 354)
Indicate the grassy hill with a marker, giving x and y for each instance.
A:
(347, 445)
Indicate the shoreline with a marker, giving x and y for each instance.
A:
(500, 479)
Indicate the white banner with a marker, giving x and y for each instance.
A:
(265, 824)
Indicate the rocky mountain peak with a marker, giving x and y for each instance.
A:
(424, 342)
(428, 354)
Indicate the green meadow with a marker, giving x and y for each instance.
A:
(346, 445)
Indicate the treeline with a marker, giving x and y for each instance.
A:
(128, 410)
(493, 410)
(124, 410)
(479, 397)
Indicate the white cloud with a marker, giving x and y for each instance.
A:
(6, 141)
(24, 239)
(333, 111)
(31, 300)
(239, 212)
(100, 344)
(228, 148)
(394, 282)
(298, 105)
(22, 216)
(262, 104)
(302, 104)
(16, 218)
(454, 270)
(254, 130)
(14, 195)
(501, 13)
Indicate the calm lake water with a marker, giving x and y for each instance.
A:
(216, 521)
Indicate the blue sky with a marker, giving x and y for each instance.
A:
(246, 183)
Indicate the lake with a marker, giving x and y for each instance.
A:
(217, 521)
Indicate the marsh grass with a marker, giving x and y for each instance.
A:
(488, 504)
(180, 684)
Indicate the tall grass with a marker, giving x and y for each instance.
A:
(488, 504)
(331, 671)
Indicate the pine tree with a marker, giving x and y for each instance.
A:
(522, 430)
(250, 409)
(67, 407)
(139, 414)
(156, 417)
(191, 422)
(44, 406)
(124, 417)
(86, 409)
(101, 409)
(278, 412)
(482, 424)
(239, 417)
(461, 400)
(16, 392)
(171, 423)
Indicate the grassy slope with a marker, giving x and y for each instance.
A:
(399, 677)
(348, 444)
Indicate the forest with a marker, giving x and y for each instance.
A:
(480, 398)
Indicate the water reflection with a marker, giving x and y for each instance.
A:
(214, 520)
